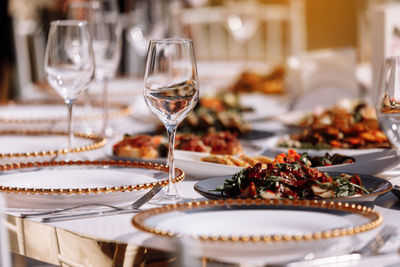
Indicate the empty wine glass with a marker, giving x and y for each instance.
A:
(241, 19)
(69, 62)
(106, 32)
(388, 100)
(83, 11)
(171, 90)
(148, 21)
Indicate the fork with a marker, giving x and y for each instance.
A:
(371, 248)
(374, 245)
(134, 206)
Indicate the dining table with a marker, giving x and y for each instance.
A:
(114, 241)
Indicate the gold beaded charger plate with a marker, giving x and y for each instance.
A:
(54, 111)
(269, 230)
(19, 145)
(61, 184)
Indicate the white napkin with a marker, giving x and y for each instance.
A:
(322, 77)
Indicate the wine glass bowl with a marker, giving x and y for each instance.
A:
(241, 19)
(69, 62)
(388, 100)
(106, 32)
(171, 90)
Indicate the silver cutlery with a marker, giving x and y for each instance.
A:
(134, 207)
(371, 248)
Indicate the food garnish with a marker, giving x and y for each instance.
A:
(290, 177)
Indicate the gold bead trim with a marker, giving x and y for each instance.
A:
(119, 110)
(375, 219)
(179, 176)
(98, 142)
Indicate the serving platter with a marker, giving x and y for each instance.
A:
(62, 184)
(377, 186)
(266, 230)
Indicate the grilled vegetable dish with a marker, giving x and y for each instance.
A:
(221, 112)
(290, 177)
(339, 127)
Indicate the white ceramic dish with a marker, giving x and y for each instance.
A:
(73, 178)
(191, 164)
(258, 220)
(193, 167)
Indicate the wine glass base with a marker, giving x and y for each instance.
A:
(167, 200)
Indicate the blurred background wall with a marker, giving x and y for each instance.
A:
(327, 24)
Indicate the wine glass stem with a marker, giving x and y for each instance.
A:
(106, 107)
(69, 105)
(172, 189)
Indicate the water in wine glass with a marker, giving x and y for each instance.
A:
(388, 100)
(171, 91)
(390, 124)
(172, 103)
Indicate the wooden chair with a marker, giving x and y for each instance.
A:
(280, 31)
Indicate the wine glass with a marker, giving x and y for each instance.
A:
(241, 19)
(106, 32)
(388, 100)
(148, 21)
(171, 90)
(69, 62)
(82, 11)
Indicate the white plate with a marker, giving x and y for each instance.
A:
(31, 143)
(45, 112)
(75, 177)
(191, 164)
(251, 221)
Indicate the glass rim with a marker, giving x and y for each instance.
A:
(172, 40)
(69, 22)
